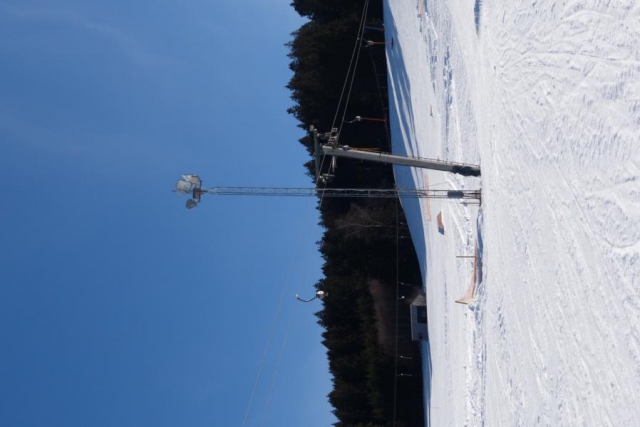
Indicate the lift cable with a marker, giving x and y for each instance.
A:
(354, 55)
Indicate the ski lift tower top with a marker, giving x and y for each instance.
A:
(331, 147)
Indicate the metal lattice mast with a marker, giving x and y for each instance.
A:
(341, 192)
(192, 185)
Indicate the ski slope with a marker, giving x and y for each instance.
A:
(545, 96)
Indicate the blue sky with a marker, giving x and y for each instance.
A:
(118, 307)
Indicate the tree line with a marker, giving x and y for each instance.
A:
(365, 246)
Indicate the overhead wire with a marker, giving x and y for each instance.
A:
(288, 327)
(273, 326)
(397, 260)
(353, 74)
(395, 364)
(267, 407)
(355, 55)
(303, 233)
(286, 336)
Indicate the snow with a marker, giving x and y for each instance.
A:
(545, 96)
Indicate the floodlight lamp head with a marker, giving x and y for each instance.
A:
(190, 184)
(193, 179)
(184, 187)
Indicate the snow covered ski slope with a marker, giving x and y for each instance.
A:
(545, 96)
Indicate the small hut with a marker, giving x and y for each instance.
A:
(419, 329)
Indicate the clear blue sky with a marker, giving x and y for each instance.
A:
(118, 307)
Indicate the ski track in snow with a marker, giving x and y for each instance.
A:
(545, 95)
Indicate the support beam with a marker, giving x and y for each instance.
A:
(345, 151)
(316, 149)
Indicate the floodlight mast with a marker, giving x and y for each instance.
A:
(192, 185)
(412, 193)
